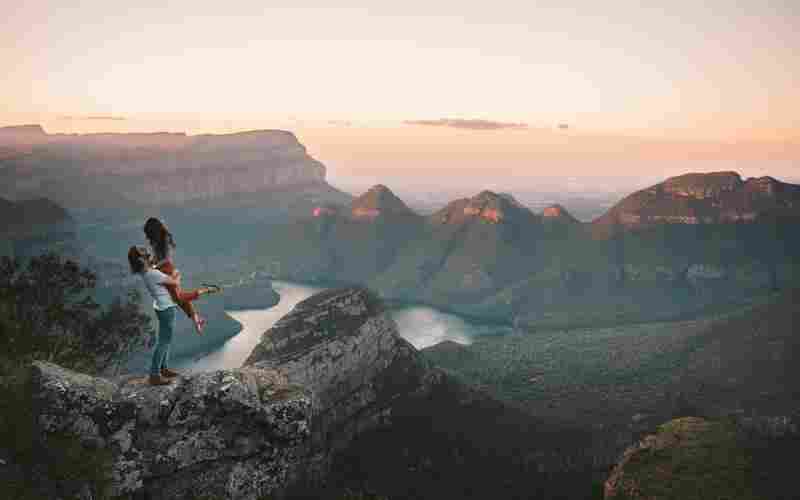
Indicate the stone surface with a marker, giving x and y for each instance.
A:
(238, 434)
(331, 369)
(344, 347)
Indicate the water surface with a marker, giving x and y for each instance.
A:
(422, 326)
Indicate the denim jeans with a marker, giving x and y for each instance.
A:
(166, 326)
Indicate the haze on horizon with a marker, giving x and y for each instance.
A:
(427, 90)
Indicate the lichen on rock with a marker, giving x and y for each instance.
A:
(219, 433)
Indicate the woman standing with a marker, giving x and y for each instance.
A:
(157, 283)
(162, 243)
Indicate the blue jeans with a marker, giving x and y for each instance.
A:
(166, 326)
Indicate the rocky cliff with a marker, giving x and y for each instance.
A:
(238, 434)
(717, 197)
(331, 397)
(160, 168)
(343, 346)
(325, 373)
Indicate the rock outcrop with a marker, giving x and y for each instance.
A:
(717, 197)
(84, 170)
(344, 347)
(237, 434)
(328, 371)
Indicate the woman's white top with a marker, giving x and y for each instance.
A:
(154, 281)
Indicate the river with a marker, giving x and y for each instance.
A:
(422, 326)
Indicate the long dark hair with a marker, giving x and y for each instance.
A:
(159, 237)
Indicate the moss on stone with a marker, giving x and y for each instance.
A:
(690, 458)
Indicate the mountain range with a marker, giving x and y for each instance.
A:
(95, 170)
(678, 247)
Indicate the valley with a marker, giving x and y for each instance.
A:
(569, 340)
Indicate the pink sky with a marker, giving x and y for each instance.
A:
(346, 79)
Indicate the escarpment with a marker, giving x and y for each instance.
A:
(331, 369)
(238, 434)
(716, 197)
(85, 170)
(344, 347)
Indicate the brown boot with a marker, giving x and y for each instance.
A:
(159, 380)
(166, 372)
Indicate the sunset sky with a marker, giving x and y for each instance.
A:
(366, 81)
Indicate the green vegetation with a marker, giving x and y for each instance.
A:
(60, 466)
(47, 312)
(545, 276)
(693, 459)
(585, 372)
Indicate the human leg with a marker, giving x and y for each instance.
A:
(184, 298)
(166, 327)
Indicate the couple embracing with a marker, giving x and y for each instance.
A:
(163, 282)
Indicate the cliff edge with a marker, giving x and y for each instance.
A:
(326, 372)
(343, 346)
(237, 434)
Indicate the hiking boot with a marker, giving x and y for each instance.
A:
(159, 380)
(166, 372)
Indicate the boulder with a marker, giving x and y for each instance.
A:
(344, 347)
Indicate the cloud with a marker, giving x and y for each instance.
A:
(106, 118)
(467, 124)
(340, 123)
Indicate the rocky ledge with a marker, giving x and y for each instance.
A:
(237, 434)
(344, 347)
(332, 368)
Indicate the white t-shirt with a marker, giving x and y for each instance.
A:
(154, 281)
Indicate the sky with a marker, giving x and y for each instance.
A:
(386, 85)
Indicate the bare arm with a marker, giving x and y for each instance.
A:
(171, 280)
(174, 280)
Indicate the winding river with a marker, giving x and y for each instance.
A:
(423, 326)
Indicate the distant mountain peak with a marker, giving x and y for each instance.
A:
(702, 185)
(486, 205)
(558, 212)
(701, 198)
(378, 200)
(510, 197)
